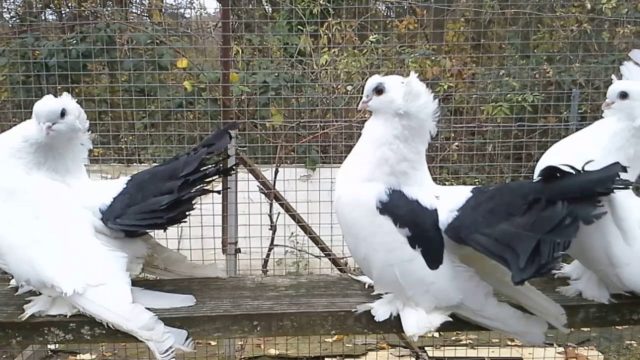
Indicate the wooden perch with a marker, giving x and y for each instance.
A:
(271, 306)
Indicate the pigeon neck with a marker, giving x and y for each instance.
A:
(626, 143)
(390, 152)
(63, 158)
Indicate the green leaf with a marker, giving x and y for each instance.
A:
(141, 38)
(277, 117)
(312, 160)
(165, 61)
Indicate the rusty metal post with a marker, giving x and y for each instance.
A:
(230, 196)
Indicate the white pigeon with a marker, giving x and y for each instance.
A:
(55, 141)
(606, 253)
(392, 216)
(54, 144)
(48, 242)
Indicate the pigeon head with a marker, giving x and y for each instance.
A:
(60, 115)
(405, 99)
(383, 94)
(623, 101)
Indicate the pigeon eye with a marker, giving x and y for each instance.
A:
(623, 95)
(378, 90)
(63, 113)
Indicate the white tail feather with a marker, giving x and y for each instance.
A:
(480, 305)
(500, 316)
(526, 295)
(133, 319)
(161, 300)
(169, 264)
(183, 340)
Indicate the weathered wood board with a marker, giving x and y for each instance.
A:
(270, 306)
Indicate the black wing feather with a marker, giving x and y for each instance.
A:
(527, 225)
(421, 222)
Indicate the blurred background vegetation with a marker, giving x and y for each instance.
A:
(148, 72)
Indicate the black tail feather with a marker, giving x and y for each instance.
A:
(527, 226)
(165, 194)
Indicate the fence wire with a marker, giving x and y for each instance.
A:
(582, 344)
(513, 77)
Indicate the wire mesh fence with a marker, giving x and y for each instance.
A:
(583, 344)
(155, 76)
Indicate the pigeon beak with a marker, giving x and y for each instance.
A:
(607, 104)
(364, 104)
(47, 127)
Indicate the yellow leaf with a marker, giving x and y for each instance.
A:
(188, 85)
(234, 77)
(182, 63)
(335, 338)
(277, 118)
(155, 15)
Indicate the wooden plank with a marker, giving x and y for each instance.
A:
(271, 306)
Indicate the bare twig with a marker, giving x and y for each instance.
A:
(415, 351)
(305, 251)
(273, 221)
(278, 198)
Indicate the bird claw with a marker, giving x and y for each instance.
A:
(561, 272)
(43, 305)
(363, 279)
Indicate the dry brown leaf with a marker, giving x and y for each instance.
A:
(400, 352)
(365, 342)
(570, 353)
(465, 339)
(513, 342)
(383, 345)
(273, 352)
(107, 354)
(335, 338)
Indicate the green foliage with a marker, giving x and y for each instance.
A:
(124, 74)
(504, 73)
